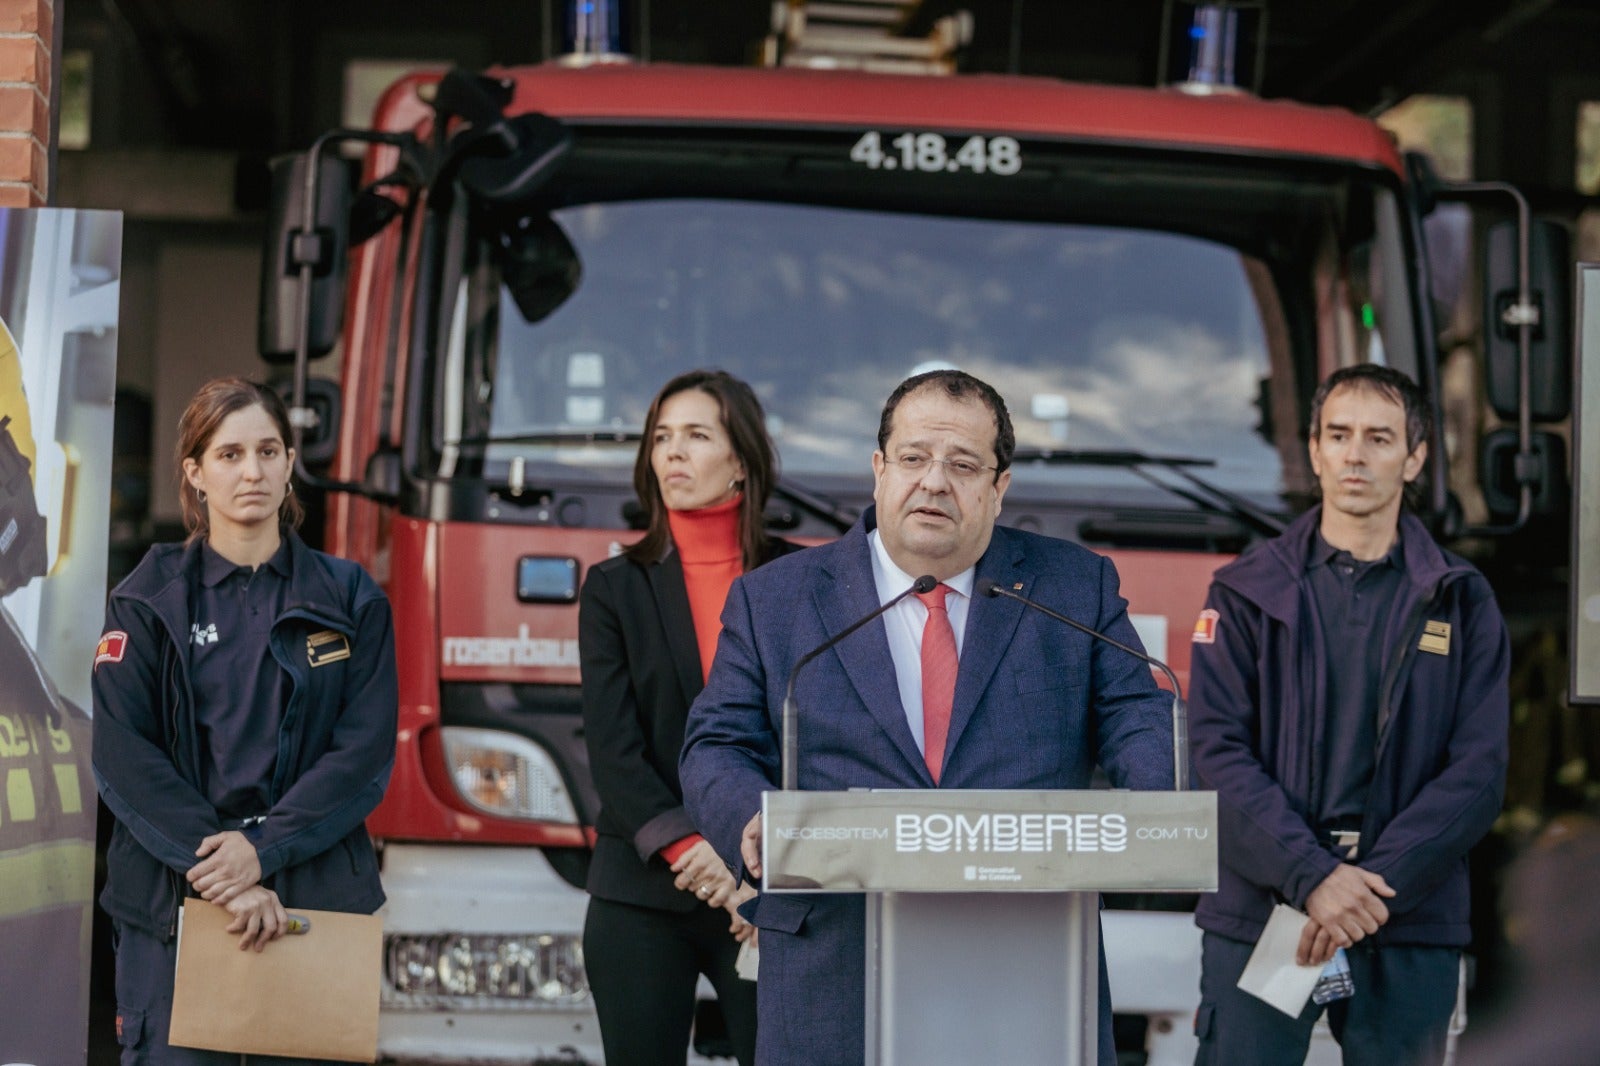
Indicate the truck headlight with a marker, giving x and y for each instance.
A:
(446, 971)
(506, 775)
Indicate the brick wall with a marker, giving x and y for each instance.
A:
(26, 27)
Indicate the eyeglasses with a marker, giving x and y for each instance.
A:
(914, 465)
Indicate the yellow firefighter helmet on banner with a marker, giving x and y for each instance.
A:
(23, 555)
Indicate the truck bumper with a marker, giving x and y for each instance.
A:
(443, 895)
(1153, 960)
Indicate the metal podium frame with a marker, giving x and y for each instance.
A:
(983, 928)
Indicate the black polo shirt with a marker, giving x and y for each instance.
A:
(1353, 600)
(239, 689)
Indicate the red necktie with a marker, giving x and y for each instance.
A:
(938, 678)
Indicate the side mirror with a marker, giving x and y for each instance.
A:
(1548, 474)
(288, 248)
(539, 266)
(535, 147)
(1550, 348)
(500, 161)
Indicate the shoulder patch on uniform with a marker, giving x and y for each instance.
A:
(327, 646)
(111, 648)
(1205, 627)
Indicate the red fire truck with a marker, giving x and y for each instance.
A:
(1155, 281)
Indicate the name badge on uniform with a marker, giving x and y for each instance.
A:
(1435, 638)
(327, 647)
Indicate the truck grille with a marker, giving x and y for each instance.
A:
(478, 971)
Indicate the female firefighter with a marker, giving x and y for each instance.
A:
(245, 701)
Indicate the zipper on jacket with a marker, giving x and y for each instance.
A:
(287, 768)
(177, 902)
(1411, 633)
(299, 684)
(174, 701)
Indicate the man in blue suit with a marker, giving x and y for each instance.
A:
(1022, 701)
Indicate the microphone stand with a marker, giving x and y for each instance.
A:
(1180, 710)
(789, 751)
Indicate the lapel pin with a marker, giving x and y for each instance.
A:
(1017, 587)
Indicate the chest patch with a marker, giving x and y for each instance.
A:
(201, 635)
(327, 646)
(1435, 638)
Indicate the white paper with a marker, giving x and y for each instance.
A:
(1272, 974)
(748, 961)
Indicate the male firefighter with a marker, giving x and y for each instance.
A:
(1349, 705)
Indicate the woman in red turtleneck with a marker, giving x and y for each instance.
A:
(662, 902)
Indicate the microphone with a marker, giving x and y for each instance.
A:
(790, 753)
(1180, 710)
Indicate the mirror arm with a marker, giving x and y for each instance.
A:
(302, 417)
(1525, 317)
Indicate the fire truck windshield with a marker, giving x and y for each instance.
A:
(1100, 338)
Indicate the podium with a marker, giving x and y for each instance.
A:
(983, 929)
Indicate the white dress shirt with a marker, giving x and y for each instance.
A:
(905, 621)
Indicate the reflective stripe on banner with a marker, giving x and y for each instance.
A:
(45, 876)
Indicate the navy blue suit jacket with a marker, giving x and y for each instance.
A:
(1037, 704)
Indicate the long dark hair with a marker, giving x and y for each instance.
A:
(215, 401)
(746, 427)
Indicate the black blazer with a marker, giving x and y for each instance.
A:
(641, 671)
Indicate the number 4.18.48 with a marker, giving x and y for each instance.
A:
(930, 153)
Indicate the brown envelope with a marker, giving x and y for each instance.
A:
(310, 995)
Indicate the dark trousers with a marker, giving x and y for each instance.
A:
(643, 965)
(1399, 1015)
(144, 975)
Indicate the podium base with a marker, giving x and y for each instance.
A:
(958, 978)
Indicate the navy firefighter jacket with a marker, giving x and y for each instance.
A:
(334, 641)
(1257, 678)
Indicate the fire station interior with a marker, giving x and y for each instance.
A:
(170, 109)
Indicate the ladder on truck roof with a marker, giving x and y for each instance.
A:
(862, 35)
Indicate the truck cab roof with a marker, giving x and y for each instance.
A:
(1026, 106)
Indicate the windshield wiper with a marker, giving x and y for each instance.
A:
(1210, 497)
(813, 503)
(830, 511)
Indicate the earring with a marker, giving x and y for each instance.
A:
(201, 494)
(288, 488)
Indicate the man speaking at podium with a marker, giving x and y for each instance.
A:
(944, 691)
